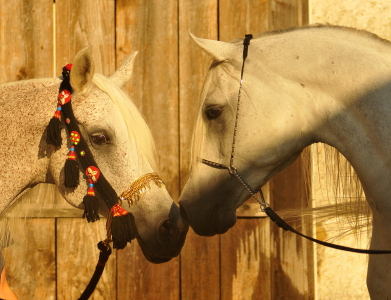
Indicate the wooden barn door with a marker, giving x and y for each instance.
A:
(56, 253)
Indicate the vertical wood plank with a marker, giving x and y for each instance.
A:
(200, 260)
(140, 279)
(77, 256)
(242, 17)
(30, 261)
(26, 35)
(84, 23)
(151, 27)
(288, 13)
(245, 261)
(293, 272)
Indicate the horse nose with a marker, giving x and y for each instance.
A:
(184, 216)
(167, 232)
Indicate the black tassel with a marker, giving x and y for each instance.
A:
(53, 132)
(71, 172)
(122, 231)
(91, 208)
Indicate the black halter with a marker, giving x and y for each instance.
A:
(265, 206)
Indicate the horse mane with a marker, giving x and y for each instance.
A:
(134, 120)
(360, 32)
(341, 200)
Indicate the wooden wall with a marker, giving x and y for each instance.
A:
(55, 254)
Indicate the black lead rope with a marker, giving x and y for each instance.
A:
(281, 223)
(100, 266)
(265, 206)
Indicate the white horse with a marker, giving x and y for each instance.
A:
(117, 136)
(300, 86)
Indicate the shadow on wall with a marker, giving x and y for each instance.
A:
(249, 270)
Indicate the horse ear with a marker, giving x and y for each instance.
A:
(220, 51)
(82, 70)
(123, 74)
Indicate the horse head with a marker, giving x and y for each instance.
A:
(121, 144)
(265, 139)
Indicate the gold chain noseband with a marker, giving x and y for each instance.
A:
(138, 188)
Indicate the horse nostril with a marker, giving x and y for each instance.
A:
(184, 216)
(166, 232)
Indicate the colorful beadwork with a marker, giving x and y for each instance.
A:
(90, 191)
(64, 97)
(93, 173)
(72, 154)
(74, 137)
(57, 114)
(118, 211)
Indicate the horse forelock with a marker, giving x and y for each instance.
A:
(199, 129)
(136, 125)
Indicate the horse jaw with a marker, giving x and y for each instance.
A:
(82, 70)
(122, 76)
(220, 51)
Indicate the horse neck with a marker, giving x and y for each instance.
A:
(26, 108)
(346, 83)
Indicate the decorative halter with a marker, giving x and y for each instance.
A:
(120, 224)
(263, 205)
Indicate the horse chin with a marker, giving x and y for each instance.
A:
(221, 220)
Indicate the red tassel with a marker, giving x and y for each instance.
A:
(120, 225)
(71, 170)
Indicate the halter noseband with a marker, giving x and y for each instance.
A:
(265, 206)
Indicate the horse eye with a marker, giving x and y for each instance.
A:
(100, 139)
(213, 112)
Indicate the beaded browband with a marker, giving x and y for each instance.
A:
(120, 223)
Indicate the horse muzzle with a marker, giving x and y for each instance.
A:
(219, 220)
